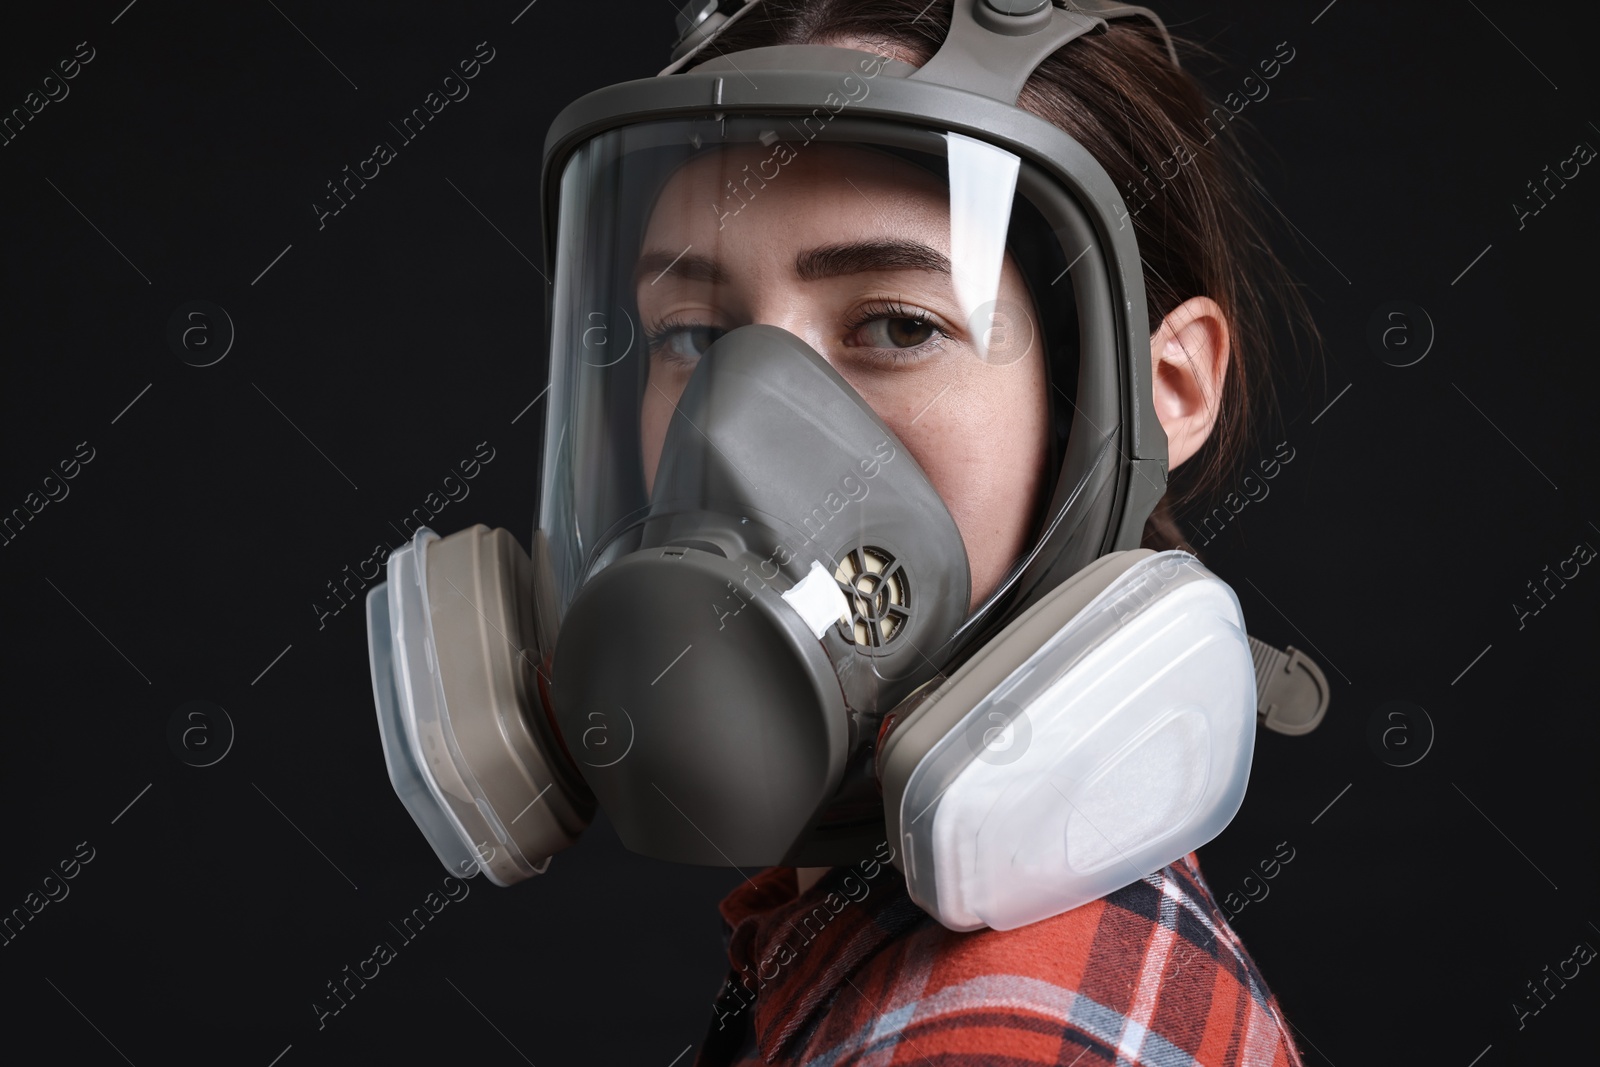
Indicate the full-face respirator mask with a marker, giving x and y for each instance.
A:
(746, 628)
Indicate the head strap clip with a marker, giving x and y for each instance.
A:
(994, 46)
(698, 30)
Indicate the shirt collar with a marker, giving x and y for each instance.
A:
(792, 951)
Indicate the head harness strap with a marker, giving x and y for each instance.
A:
(961, 59)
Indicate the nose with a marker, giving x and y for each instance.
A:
(795, 317)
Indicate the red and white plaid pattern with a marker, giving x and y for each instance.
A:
(1149, 975)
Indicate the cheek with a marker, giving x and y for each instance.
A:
(983, 446)
(654, 415)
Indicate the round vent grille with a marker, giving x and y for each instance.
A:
(879, 594)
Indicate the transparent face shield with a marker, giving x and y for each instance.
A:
(911, 261)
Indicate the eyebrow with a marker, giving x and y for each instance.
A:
(831, 261)
(828, 261)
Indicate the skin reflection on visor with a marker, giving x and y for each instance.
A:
(848, 249)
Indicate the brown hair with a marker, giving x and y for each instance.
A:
(1199, 232)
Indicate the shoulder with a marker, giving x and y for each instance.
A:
(1150, 974)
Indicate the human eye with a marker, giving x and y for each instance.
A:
(899, 333)
(682, 343)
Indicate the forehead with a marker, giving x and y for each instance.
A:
(799, 187)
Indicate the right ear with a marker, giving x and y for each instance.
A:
(1188, 364)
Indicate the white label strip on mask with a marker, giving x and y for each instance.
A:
(818, 600)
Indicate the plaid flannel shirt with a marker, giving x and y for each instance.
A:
(852, 972)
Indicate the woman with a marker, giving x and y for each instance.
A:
(850, 253)
(857, 414)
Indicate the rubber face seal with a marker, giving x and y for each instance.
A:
(703, 713)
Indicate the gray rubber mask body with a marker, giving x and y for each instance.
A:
(734, 731)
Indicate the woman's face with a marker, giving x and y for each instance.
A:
(849, 250)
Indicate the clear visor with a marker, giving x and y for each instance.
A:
(906, 258)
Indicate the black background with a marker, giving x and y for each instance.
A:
(380, 350)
